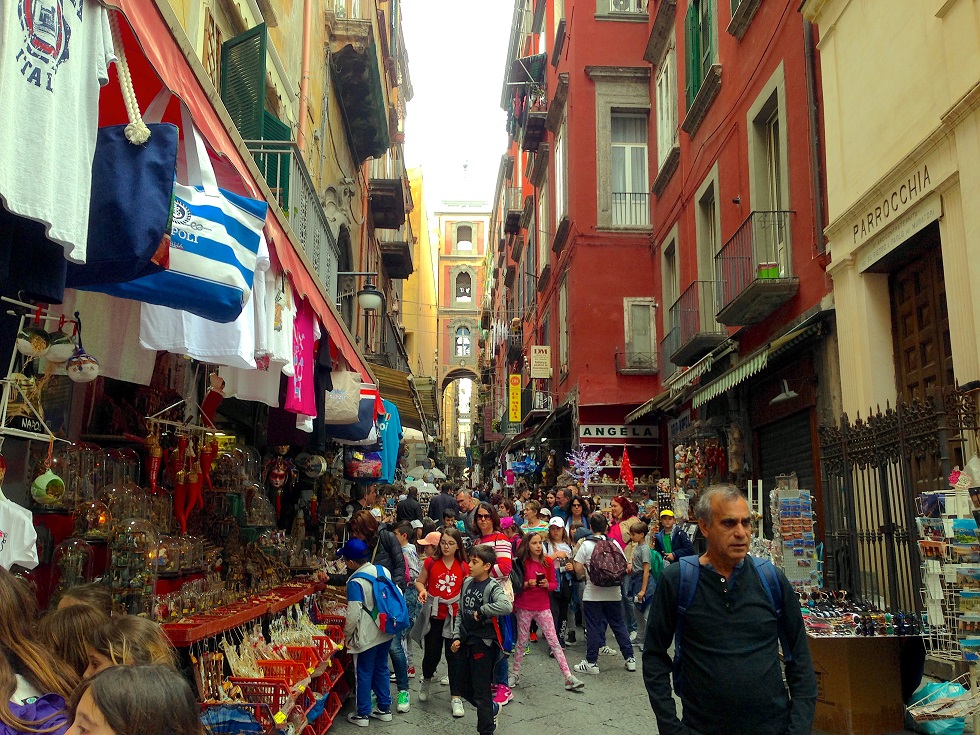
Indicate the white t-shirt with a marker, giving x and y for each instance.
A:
(54, 56)
(231, 344)
(18, 539)
(593, 593)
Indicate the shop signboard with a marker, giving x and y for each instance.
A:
(514, 395)
(540, 361)
(602, 433)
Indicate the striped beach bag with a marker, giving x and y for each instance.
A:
(214, 240)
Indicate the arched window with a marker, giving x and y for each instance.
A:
(464, 237)
(462, 342)
(464, 287)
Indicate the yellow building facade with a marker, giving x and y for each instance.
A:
(901, 101)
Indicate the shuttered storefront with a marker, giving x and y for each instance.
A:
(785, 446)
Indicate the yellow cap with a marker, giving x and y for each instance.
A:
(667, 513)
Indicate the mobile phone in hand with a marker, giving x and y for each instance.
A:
(540, 577)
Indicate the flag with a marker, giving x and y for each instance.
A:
(626, 471)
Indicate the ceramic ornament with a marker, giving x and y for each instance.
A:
(62, 348)
(47, 488)
(82, 367)
(33, 341)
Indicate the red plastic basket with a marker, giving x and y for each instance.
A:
(323, 723)
(326, 645)
(342, 689)
(293, 672)
(308, 656)
(275, 693)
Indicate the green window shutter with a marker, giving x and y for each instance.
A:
(243, 80)
(735, 4)
(692, 54)
(707, 37)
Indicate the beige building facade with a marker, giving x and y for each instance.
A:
(901, 98)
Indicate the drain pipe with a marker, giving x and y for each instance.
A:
(813, 109)
(304, 82)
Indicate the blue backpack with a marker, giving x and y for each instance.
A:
(690, 573)
(390, 611)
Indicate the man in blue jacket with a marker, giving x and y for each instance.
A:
(671, 541)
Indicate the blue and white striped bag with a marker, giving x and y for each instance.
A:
(213, 243)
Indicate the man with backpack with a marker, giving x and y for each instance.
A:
(602, 564)
(727, 615)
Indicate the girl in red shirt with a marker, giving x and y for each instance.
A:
(439, 585)
(534, 603)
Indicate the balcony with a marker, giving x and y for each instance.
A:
(515, 347)
(755, 269)
(357, 75)
(387, 201)
(285, 172)
(535, 406)
(514, 207)
(668, 346)
(694, 317)
(630, 209)
(396, 252)
(632, 362)
(535, 119)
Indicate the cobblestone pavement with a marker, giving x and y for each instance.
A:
(613, 702)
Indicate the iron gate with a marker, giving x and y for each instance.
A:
(873, 470)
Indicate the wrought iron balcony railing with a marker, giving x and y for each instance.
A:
(631, 209)
(285, 172)
(668, 346)
(694, 317)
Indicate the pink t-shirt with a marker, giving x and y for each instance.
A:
(300, 394)
(536, 598)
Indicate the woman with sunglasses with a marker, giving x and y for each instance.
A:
(578, 522)
(486, 530)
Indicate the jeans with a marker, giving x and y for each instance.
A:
(597, 616)
(476, 666)
(627, 604)
(560, 600)
(372, 675)
(399, 663)
(434, 645)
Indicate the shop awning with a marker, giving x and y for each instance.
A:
(731, 378)
(658, 401)
(429, 398)
(517, 441)
(812, 327)
(529, 69)
(397, 387)
(159, 51)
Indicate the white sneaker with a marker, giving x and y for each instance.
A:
(444, 680)
(631, 664)
(379, 714)
(633, 636)
(515, 680)
(586, 668)
(608, 651)
(457, 707)
(404, 702)
(424, 685)
(574, 684)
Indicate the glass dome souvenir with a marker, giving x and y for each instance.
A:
(121, 502)
(132, 568)
(251, 464)
(93, 521)
(193, 560)
(75, 560)
(261, 512)
(168, 556)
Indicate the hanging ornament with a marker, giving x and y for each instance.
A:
(82, 367)
(48, 488)
(62, 346)
(33, 341)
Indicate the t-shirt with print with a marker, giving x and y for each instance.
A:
(641, 556)
(445, 582)
(474, 597)
(390, 425)
(18, 539)
(54, 56)
(592, 593)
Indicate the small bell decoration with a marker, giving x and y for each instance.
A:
(82, 367)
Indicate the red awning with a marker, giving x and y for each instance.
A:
(155, 55)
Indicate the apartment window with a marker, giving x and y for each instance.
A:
(641, 340)
(630, 195)
(464, 238)
(627, 6)
(561, 174)
(707, 233)
(666, 106)
(544, 227)
(529, 268)
(462, 342)
(670, 276)
(211, 59)
(464, 287)
(563, 327)
(700, 40)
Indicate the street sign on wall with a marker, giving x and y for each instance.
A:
(540, 361)
(514, 396)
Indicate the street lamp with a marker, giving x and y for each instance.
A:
(369, 298)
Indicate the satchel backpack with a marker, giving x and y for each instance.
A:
(607, 565)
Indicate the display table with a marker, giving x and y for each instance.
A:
(859, 690)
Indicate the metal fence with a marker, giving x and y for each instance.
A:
(694, 312)
(759, 249)
(873, 470)
(630, 208)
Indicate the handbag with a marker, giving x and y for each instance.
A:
(340, 406)
(214, 239)
(132, 194)
(364, 432)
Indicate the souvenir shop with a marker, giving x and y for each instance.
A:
(184, 416)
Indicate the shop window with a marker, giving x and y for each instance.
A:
(699, 41)
(630, 194)
(464, 287)
(462, 342)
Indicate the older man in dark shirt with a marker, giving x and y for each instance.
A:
(732, 681)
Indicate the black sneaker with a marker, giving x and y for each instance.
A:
(571, 636)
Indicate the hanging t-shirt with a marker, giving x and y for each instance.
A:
(18, 539)
(54, 56)
(300, 397)
(390, 425)
(231, 344)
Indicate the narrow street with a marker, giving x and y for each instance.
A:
(613, 702)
